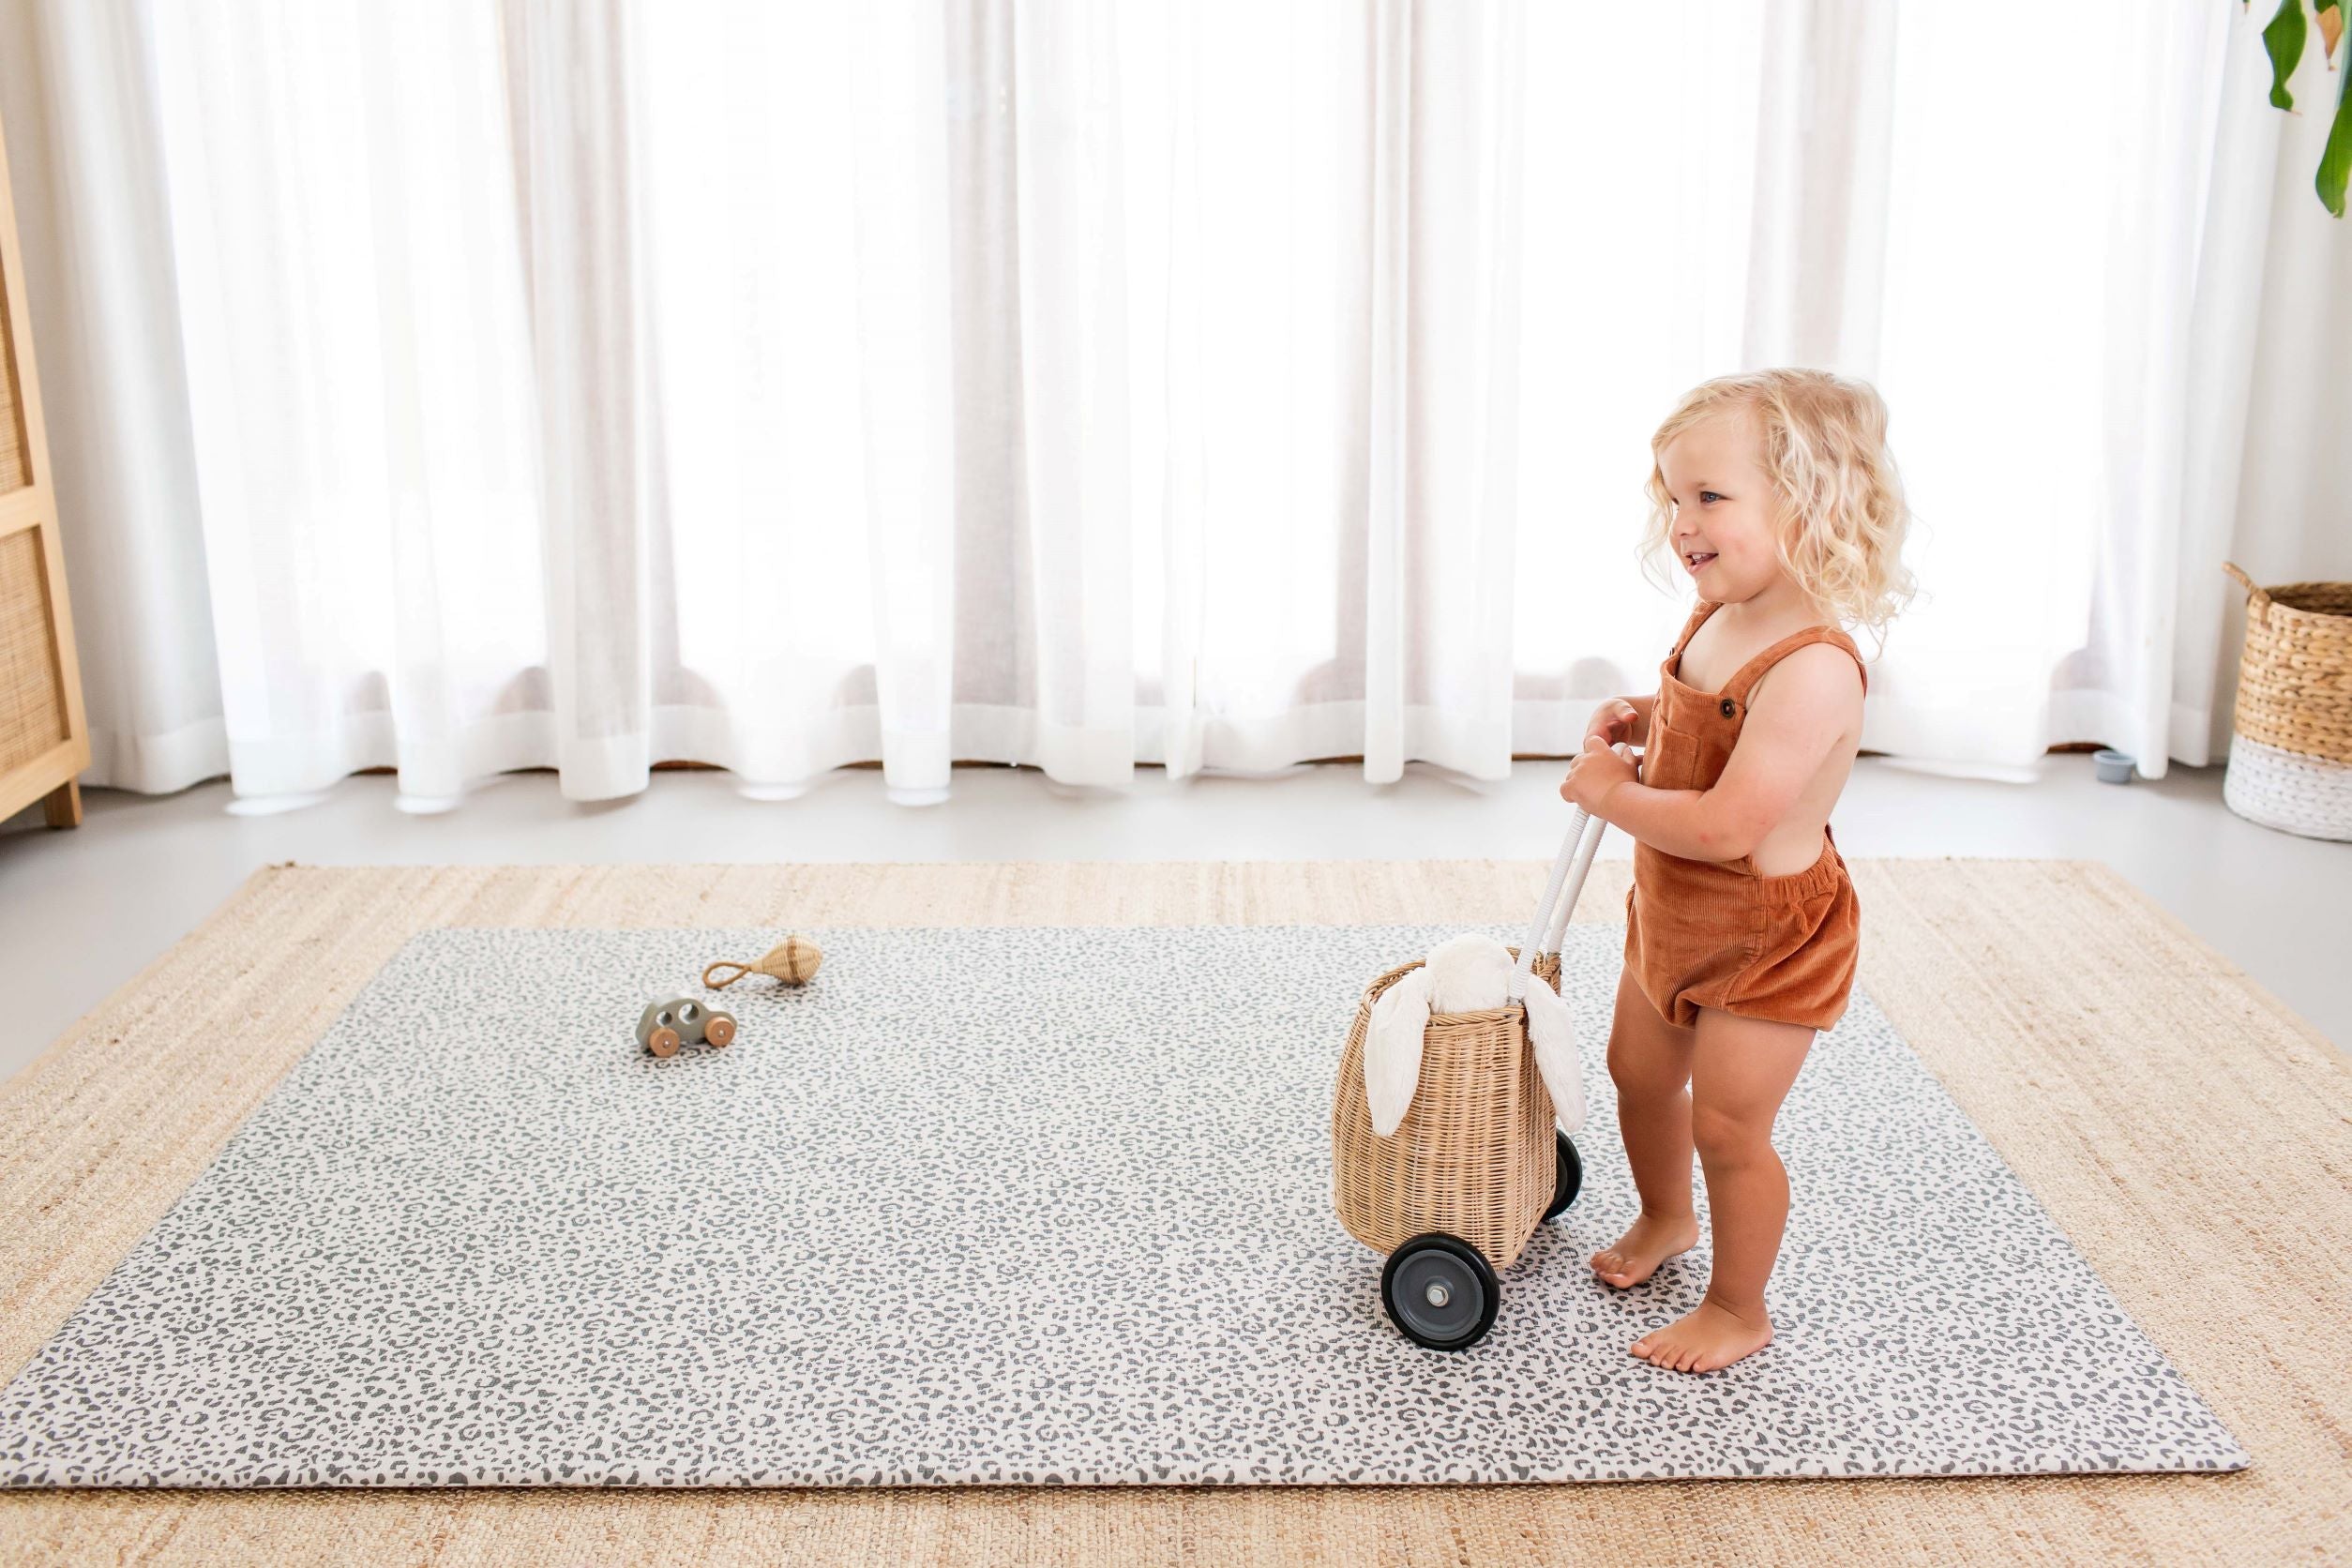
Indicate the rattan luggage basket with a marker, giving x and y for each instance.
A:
(2291, 759)
(1478, 1161)
(1473, 1158)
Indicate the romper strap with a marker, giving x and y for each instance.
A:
(1699, 619)
(1742, 683)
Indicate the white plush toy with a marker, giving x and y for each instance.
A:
(1467, 973)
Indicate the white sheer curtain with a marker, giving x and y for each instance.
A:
(359, 379)
(2029, 288)
(585, 385)
(77, 98)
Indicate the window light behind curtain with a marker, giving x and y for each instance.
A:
(585, 385)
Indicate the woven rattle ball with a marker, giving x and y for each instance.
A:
(794, 961)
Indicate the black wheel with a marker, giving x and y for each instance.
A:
(1439, 1292)
(1567, 1178)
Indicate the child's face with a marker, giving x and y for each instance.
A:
(1723, 531)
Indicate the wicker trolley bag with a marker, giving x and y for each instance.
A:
(2291, 759)
(1478, 1162)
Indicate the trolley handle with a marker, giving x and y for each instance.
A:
(1569, 869)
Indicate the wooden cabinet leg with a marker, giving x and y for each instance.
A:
(62, 806)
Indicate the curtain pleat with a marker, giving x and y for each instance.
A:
(1388, 236)
(907, 388)
(569, 68)
(1072, 632)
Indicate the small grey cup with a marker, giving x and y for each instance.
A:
(2113, 765)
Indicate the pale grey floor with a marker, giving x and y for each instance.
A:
(82, 912)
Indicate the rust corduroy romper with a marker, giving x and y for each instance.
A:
(1719, 934)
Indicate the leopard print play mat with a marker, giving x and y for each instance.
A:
(1017, 1205)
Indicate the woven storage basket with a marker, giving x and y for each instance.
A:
(1474, 1155)
(2291, 760)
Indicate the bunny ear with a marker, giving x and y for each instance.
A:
(1392, 1051)
(1552, 1030)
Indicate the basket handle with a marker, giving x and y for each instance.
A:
(1569, 869)
(2258, 601)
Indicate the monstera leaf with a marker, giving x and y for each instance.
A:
(2284, 38)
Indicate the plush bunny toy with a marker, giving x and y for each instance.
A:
(1467, 973)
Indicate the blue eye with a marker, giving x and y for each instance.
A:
(1704, 494)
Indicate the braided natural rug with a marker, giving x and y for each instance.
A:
(2191, 1138)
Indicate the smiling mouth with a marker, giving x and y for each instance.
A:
(1695, 559)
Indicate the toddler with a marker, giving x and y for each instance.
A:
(1774, 490)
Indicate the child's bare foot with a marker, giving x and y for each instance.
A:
(1646, 1243)
(1705, 1339)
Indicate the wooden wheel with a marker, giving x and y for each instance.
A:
(663, 1042)
(719, 1030)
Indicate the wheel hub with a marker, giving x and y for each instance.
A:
(1438, 1295)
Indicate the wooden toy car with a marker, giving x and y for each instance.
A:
(664, 1025)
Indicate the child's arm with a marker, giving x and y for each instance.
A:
(1813, 698)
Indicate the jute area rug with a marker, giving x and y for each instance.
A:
(2190, 1135)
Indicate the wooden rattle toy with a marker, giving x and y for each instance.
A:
(664, 1025)
(793, 960)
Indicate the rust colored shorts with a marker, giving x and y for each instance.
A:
(1701, 934)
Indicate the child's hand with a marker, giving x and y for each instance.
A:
(1612, 721)
(1593, 774)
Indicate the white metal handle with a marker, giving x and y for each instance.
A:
(1569, 869)
(1562, 863)
(1566, 907)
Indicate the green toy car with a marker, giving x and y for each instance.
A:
(681, 1021)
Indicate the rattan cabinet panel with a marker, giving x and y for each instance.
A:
(12, 470)
(44, 745)
(32, 701)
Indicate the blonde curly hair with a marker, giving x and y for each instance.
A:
(1839, 498)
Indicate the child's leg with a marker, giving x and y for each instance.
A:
(1650, 1061)
(1740, 1071)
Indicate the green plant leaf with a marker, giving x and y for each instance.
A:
(2336, 161)
(2283, 38)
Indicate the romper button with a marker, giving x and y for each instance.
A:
(1729, 707)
